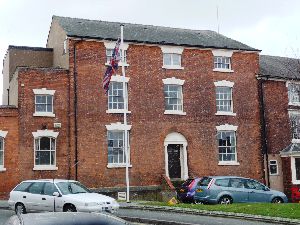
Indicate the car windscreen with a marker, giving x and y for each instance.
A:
(204, 181)
(67, 188)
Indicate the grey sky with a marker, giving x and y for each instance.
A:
(269, 25)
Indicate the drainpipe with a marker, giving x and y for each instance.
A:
(264, 142)
(75, 109)
(7, 96)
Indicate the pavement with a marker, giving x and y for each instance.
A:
(141, 206)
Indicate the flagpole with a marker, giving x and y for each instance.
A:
(125, 116)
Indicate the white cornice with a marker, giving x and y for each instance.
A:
(173, 80)
(43, 91)
(45, 133)
(118, 78)
(112, 44)
(118, 126)
(3, 133)
(222, 52)
(172, 49)
(224, 83)
(226, 127)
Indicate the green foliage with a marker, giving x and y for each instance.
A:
(289, 210)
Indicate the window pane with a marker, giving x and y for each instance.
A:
(1, 158)
(176, 59)
(294, 93)
(227, 145)
(40, 99)
(167, 59)
(45, 143)
(42, 158)
(297, 166)
(40, 108)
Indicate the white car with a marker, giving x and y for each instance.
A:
(58, 196)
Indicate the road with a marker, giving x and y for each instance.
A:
(184, 218)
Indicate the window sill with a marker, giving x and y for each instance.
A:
(173, 67)
(45, 114)
(274, 174)
(296, 181)
(117, 111)
(120, 64)
(223, 70)
(118, 166)
(220, 113)
(173, 112)
(2, 169)
(228, 164)
(295, 141)
(294, 104)
(45, 168)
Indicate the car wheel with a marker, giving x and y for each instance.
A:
(20, 208)
(69, 208)
(197, 202)
(225, 200)
(277, 200)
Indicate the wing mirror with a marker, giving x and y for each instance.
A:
(56, 194)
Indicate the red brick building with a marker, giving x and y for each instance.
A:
(279, 89)
(193, 107)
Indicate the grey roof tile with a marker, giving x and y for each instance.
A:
(97, 29)
(291, 149)
(279, 67)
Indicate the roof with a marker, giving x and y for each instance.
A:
(29, 48)
(279, 67)
(148, 34)
(291, 149)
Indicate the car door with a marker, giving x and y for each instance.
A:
(34, 196)
(257, 191)
(48, 200)
(237, 189)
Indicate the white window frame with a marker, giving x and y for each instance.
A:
(2, 136)
(228, 128)
(119, 127)
(40, 134)
(229, 84)
(43, 92)
(119, 79)
(294, 112)
(293, 169)
(289, 94)
(65, 46)
(110, 46)
(273, 164)
(178, 82)
(172, 50)
(222, 53)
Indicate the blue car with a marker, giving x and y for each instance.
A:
(229, 189)
(186, 191)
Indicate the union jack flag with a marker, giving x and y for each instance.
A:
(113, 66)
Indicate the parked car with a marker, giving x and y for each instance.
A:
(67, 218)
(186, 191)
(229, 189)
(58, 195)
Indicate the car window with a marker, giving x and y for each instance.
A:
(49, 189)
(23, 186)
(36, 188)
(204, 181)
(222, 182)
(237, 183)
(72, 188)
(252, 184)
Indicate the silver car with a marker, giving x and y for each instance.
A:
(58, 196)
(229, 189)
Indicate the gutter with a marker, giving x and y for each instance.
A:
(263, 131)
(75, 108)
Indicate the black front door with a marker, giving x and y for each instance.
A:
(174, 161)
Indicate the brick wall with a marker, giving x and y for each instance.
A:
(9, 123)
(52, 79)
(149, 124)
